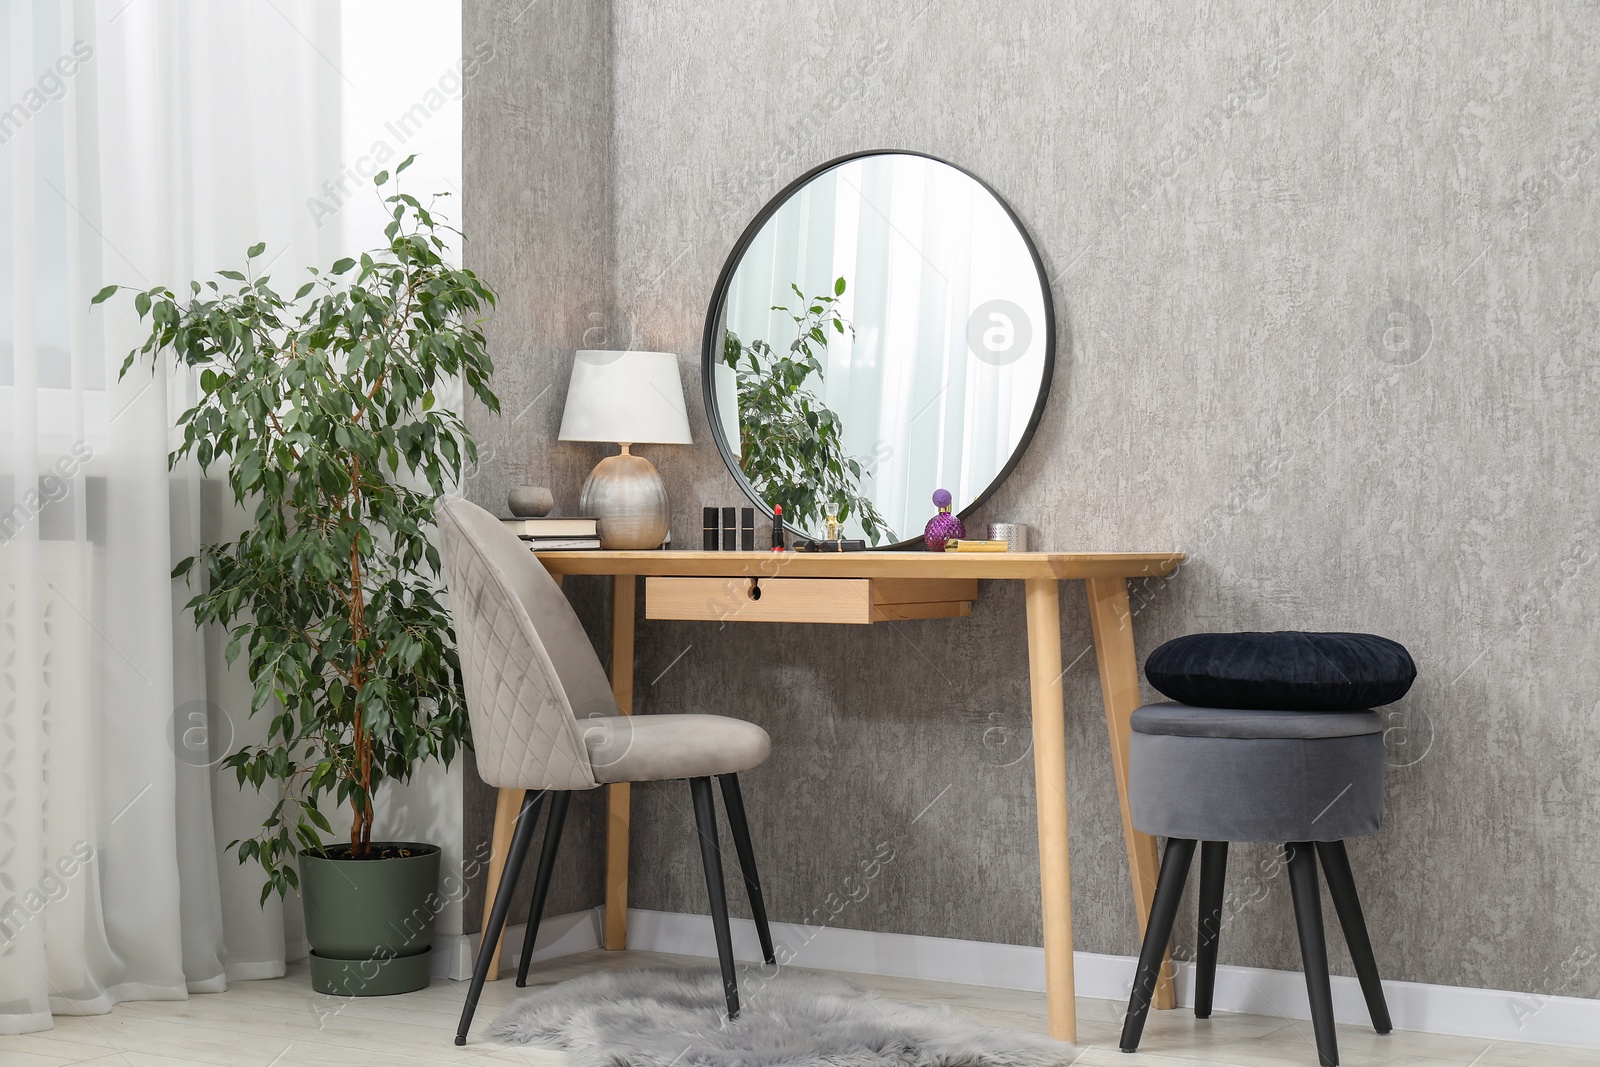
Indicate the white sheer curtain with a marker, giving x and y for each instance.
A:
(143, 143)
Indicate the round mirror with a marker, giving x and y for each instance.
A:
(882, 330)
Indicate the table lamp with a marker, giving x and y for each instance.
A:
(626, 398)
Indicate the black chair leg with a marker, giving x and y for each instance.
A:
(705, 817)
(733, 800)
(1213, 876)
(541, 884)
(1163, 912)
(1342, 887)
(1313, 949)
(520, 840)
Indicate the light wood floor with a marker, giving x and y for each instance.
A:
(282, 1023)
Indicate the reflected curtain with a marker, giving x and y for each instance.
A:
(144, 143)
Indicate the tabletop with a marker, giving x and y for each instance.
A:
(904, 564)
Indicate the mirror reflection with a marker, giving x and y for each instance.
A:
(884, 333)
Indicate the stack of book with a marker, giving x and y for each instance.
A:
(555, 533)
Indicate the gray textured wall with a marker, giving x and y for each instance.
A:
(1226, 198)
(535, 199)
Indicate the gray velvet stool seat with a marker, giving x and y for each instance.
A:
(1214, 775)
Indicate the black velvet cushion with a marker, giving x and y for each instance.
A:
(1285, 671)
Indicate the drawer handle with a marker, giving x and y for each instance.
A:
(754, 592)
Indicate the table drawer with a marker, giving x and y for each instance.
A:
(831, 600)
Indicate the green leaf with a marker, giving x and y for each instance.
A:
(405, 163)
(380, 177)
(838, 287)
(231, 275)
(342, 265)
(256, 249)
(103, 295)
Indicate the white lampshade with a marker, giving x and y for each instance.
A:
(625, 397)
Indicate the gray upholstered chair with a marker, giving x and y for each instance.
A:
(543, 720)
(1215, 775)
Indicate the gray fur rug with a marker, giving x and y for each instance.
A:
(660, 1017)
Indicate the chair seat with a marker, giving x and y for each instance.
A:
(1184, 720)
(1231, 774)
(651, 748)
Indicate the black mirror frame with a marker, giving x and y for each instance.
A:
(711, 341)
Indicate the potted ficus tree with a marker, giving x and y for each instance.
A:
(323, 409)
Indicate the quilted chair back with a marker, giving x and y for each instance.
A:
(527, 664)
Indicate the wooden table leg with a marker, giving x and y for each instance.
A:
(506, 809)
(1050, 798)
(619, 796)
(1119, 689)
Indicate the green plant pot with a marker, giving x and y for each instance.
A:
(370, 921)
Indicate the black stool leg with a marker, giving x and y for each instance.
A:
(541, 884)
(705, 817)
(1342, 887)
(733, 800)
(1213, 875)
(520, 840)
(1163, 912)
(1313, 949)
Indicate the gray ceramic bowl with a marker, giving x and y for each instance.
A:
(530, 501)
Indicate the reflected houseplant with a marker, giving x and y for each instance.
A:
(323, 408)
(791, 444)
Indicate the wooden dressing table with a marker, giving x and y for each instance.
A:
(865, 587)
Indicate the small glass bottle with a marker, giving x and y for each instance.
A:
(944, 526)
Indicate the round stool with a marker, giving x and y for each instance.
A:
(1215, 775)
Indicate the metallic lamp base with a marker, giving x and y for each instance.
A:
(626, 494)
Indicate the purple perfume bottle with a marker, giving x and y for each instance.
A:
(943, 526)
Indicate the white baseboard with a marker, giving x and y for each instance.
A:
(1460, 1011)
(1494, 1015)
(559, 935)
